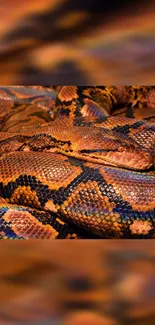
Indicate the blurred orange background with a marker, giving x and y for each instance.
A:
(55, 42)
(109, 282)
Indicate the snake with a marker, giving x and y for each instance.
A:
(77, 162)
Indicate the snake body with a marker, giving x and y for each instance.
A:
(77, 162)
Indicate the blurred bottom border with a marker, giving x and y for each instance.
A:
(109, 282)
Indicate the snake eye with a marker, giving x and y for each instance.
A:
(120, 149)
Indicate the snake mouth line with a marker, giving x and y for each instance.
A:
(136, 161)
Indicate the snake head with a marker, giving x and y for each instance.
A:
(111, 148)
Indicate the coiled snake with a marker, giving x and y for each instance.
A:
(77, 162)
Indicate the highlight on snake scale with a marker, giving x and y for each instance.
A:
(77, 162)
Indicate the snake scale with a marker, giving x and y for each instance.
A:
(77, 162)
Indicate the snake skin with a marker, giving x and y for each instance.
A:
(70, 168)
